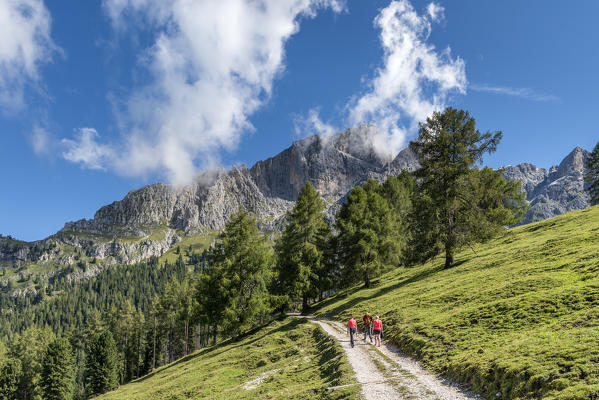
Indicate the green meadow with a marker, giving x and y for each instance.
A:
(515, 318)
(287, 359)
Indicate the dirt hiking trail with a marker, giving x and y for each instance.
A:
(386, 373)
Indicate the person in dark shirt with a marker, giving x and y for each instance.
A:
(367, 321)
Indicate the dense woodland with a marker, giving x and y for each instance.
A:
(78, 340)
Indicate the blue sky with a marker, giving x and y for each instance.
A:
(98, 98)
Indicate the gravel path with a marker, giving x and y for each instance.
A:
(386, 373)
(375, 385)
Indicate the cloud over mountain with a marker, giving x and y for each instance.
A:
(212, 65)
(414, 79)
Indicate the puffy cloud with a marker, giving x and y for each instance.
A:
(212, 65)
(26, 45)
(415, 78)
(86, 150)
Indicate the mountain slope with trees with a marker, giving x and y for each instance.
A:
(156, 218)
(131, 319)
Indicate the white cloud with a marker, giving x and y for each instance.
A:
(311, 124)
(435, 12)
(86, 150)
(524, 93)
(212, 65)
(40, 140)
(25, 45)
(415, 78)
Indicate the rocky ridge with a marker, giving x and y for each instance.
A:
(555, 191)
(125, 231)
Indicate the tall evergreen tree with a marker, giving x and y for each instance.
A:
(10, 376)
(399, 192)
(211, 297)
(367, 233)
(301, 266)
(592, 175)
(57, 378)
(233, 292)
(102, 363)
(29, 349)
(448, 147)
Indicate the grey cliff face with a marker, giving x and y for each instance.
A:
(553, 192)
(334, 165)
(528, 174)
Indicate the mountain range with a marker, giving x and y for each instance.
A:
(150, 220)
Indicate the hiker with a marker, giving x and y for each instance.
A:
(367, 321)
(352, 325)
(378, 331)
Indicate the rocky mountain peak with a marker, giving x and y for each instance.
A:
(364, 142)
(574, 163)
(553, 192)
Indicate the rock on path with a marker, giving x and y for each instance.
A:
(386, 373)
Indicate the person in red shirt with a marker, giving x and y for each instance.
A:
(352, 326)
(378, 330)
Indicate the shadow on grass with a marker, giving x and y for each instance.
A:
(227, 344)
(376, 293)
(330, 357)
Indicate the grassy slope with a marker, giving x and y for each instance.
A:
(520, 317)
(198, 244)
(297, 358)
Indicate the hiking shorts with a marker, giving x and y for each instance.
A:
(377, 332)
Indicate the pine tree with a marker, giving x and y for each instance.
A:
(300, 251)
(592, 175)
(399, 192)
(57, 378)
(448, 148)
(10, 376)
(102, 363)
(29, 349)
(233, 291)
(367, 234)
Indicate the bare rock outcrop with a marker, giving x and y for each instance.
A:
(553, 192)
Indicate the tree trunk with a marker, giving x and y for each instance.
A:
(367, 280)
(448, 256)
(124, 375)
(197, 338)
(154, 347)
(213, 334)
(186, 338)
(138, 351)
(304, 304)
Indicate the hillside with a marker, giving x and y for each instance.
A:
(288, 359)
(516, 318)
